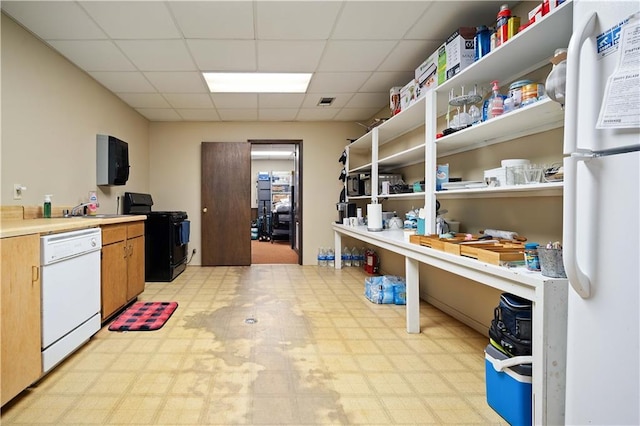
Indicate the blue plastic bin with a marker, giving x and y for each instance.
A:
(509, 388)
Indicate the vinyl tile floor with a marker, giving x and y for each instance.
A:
(268, 345)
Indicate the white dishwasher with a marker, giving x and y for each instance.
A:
(70, 292)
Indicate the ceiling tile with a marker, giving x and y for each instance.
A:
(280, 100)
(123, 82)
(408, 54)
(311, 100)
(198, 114)
(277, 114)
(238, 114)
(340, 55)
(188, 100)
(93, 55)
(297, 20)
(316, 114)
(368, 100)
(177, 82)
(228, 55)
(133, 19)
(235, 100)
(144, 100)
(338, 82)
(214, 19)
(362, 115)
(54, 20)
(289, 56)
(377, 20)
(159, 114)
(158, 55)
(469, 13)
(384, 81)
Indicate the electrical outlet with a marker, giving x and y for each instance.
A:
(17, 191)
(193, 252)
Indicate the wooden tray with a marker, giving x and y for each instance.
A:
(494, 253)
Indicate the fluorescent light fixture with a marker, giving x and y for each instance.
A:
(256, 82)
(271, 153)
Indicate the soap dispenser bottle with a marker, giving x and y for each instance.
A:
(46, 208)
(497, 102)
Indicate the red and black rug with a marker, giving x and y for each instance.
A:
(144, 316)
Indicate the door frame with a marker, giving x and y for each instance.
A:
(296, 218)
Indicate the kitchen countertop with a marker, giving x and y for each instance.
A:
(15, 228)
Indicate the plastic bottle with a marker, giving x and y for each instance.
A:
(322, 257)
(331, 258)
(482, 42)
(346, 257)
(531, 259)
(46, 208)
(355, 257)
(502, 29)
(557, 79)
(92, 208)
(496, 102)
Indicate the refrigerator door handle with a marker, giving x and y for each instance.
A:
(578, 38)
(577, 278)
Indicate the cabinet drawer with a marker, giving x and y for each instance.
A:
(135, 230)
(113, 233)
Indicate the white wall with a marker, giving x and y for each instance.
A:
(51, 113)
(175, 170)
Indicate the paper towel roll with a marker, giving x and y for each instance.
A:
(374, 217)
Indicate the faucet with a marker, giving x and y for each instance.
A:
(76, 210)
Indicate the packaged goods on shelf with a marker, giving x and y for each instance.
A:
(427, 74)
(459, 50)
(408, 94)
(394, 100)
(442, 63)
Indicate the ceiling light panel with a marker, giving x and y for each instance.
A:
(257, 82)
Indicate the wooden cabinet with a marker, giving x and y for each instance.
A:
(122, 266)
(21, 363)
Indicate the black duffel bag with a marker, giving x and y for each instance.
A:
(511, 329)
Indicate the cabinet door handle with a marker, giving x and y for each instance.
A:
(125, 252)
(35, 274)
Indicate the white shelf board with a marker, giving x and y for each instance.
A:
(552, 189)
(525, 52)
(405, 158)
(361, 169)
(403, 196)
(359, 197)
(535, 118)
(404, 122)
(363, 143)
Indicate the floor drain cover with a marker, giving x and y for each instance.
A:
(251, 321)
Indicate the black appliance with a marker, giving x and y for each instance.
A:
(112, 161)
(166, 236)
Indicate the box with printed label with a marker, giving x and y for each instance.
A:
(460, 50)
(442, 64)
(427, 74)
(408, 94)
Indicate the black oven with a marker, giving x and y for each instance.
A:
(166, 235)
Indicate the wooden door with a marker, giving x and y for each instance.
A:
(226, 204)
(113, 269)
(21, 333)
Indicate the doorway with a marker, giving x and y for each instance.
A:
(276, 185)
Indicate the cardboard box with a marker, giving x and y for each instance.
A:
(427, 74)
(408, 94)
(460, 50)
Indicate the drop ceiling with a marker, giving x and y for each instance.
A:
(151, 54)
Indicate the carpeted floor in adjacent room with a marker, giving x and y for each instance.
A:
(268, 252)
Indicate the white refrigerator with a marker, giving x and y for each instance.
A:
(601, 214)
